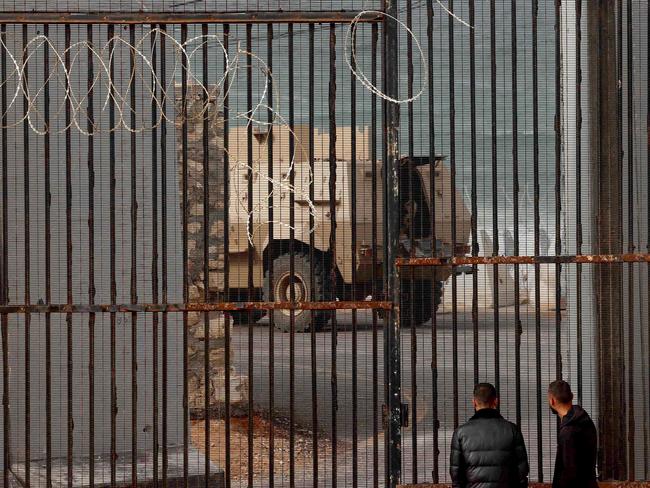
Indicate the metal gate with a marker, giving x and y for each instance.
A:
(277, 245)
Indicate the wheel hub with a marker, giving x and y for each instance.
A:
(284, 287)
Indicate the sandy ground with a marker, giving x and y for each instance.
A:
(303, 446)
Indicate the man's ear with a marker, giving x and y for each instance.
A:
(474, 404)
(496, 402)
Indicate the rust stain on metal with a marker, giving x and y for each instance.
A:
(602, 484)
(487, 260)
(194, 307)
(342, 16)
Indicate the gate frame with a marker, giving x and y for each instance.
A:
(392, 349)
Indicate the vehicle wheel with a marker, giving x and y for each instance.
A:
(243, 318)
(420, 300)
(301, 283)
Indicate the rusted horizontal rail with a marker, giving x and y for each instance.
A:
(257, 17)
(193, 307)
(601, 484)
(477, 260)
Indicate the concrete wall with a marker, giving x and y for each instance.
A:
(145, 238)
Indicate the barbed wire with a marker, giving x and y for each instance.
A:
(143, 74)
(75, 103)
(115, 93)
(349, 48)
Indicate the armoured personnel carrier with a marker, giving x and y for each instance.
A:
(313, 278)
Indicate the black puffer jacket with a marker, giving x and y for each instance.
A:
(488, 452)
(575, 463)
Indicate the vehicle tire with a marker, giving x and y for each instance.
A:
(243, 318)
(281, 287)
(420, 300)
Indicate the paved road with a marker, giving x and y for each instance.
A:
(417, 382)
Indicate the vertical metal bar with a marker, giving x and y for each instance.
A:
(312, 167)
(452, 163)
(68, 237)
(605, 153)
(392, 223)
(206, 252)
(538, 326)
(385, 274)
(134, 267)
(163, 198)
(495, 191)
(48, 263)
(270, 116)
(646, 427)
(628, 467)
(578, 176)
(184, 205)
(6, 448)
(412, 289)
(353, 242)
(432, 203)
(558, 194)
(474, 198)
(631, 425)
(515, 209)
(154, 251)
(332, 242)
(113, 273)
(226, 243)
(375, 352)
(292, 270)
(5, 365)
(27, 248)
(249, 144)
(91, 261)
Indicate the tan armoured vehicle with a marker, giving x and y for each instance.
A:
(313, 277)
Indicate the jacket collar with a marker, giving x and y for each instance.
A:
(486, 413)
(574, 415)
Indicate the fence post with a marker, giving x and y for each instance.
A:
(391, 189)
(605, 154)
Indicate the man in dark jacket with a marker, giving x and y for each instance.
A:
(575, 462)
(488, 451)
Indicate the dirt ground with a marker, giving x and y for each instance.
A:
(261, 459)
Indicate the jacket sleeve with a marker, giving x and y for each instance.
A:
(521, 458)
(456, 463)
(568, 450)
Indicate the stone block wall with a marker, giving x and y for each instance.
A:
(196, 241)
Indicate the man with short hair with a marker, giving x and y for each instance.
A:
(575, 461)
(488, 451)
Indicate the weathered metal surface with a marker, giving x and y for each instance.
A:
(331, 100)
(341, 236)
(192, 307)
(563, 259)
(250, 17)
(606, 484)
(392, 360)
(605, 105)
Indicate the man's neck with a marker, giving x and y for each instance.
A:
(484, 408)
(563, 410)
